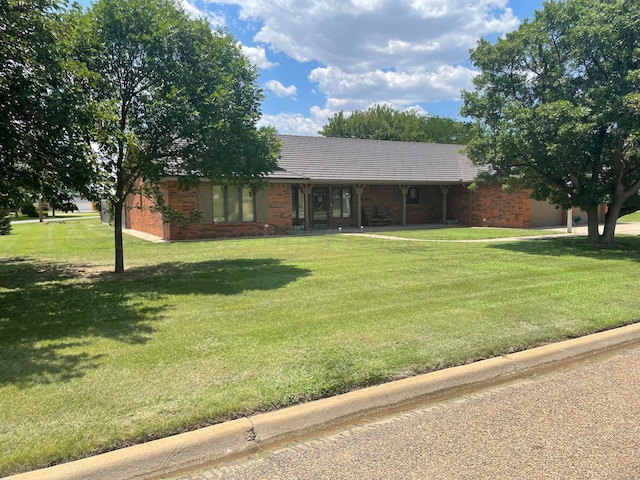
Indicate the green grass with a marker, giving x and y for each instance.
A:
(200, 332)
(49, 216)
(465, 233)
(633, 217)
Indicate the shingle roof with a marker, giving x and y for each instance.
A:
(341, 160)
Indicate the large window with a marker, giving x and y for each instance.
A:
(341, 202)
(297, 200)
(233, 204)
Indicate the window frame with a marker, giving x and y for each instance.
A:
(232, 196)
(413, 196)
(342, 191)
(297, 203)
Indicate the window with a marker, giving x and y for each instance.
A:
(413, 196)
(341, 202)
(297, 200)
(233, 204)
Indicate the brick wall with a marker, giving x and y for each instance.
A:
(185, 201)
(138, 215)
(280, 212)
(458, 204)
(490, 206)
(494, 208)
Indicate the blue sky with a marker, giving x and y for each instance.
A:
(318, 57)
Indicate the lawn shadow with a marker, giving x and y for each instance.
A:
(50, 314)
(626, 248)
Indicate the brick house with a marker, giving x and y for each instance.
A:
(326, 183)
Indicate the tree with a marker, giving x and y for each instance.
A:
(382, 122)
(557, 108)
(43, 149)
(170, 97)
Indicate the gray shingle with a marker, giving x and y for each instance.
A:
(345, 160)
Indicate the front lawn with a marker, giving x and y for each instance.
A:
(201, 332)
(632, 217)
(467, 234)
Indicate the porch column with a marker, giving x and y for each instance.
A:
(306, 191)
(404, 189)
(445, 190)
(359, 191)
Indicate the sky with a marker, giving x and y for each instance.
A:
(318, 57)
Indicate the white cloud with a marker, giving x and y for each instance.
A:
(194, 12)
(292, 124)
(280, 90)
(402, 53)
(361, 35)
(400, 89)
(258, 56)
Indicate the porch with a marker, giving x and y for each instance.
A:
(326, 206)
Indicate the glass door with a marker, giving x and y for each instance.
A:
(320, 207)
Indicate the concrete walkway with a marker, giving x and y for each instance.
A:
(161, 458)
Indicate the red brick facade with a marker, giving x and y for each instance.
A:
(143, 220)
(488, 206)
(492, 207)
(138, 215)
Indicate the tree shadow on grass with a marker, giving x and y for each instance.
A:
(50, 314)
(626, 248)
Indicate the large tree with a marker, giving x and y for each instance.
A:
(170, 96)
(44, 150)
(382, 122)
(557, 105)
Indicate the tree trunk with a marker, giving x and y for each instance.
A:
(117, 221)
(40, 212)
(593, 233)
(610, 222)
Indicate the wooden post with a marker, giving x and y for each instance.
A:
(405, 190)
(306, 191)
(359, 191)
(445, 190)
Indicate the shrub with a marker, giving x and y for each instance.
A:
(29, 209)
(5, 222)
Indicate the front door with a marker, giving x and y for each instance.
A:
(320, 207)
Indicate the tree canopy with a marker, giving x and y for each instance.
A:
(169, 97)
(44, 148)
(557, 105)
(382, 122)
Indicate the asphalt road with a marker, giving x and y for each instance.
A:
(580, 422)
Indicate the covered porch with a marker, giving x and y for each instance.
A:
(333, 206)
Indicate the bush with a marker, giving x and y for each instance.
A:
(5, 222)
(29, 209)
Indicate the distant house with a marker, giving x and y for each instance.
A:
(326, 183)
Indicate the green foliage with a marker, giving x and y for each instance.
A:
(171, 98)
(384, 123)
(5, 221)
(29, 209)
(556, 106)
(43, 150)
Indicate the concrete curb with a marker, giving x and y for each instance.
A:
(192, 449)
